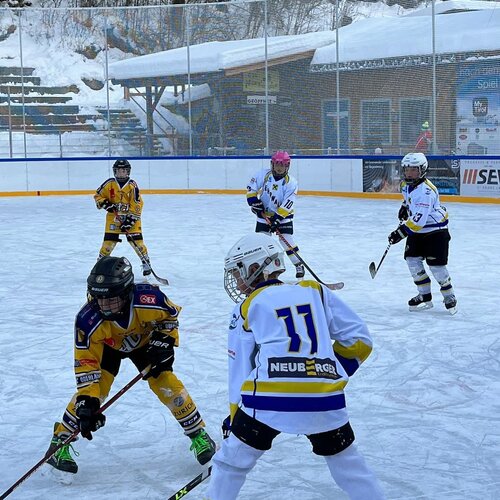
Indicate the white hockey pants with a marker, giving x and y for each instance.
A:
(235, 460)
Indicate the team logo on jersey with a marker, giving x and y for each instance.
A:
(302, 368)
(275, 187)
(234, 322)
(147, 299)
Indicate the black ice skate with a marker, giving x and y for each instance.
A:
(421, 302)
(61, 459)
(202, 445)
(299, 271)
(451, 304)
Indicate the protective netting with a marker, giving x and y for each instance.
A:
(312, 77)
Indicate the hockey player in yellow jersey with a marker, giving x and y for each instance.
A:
(284, 373)
(125, 320)
(120, 197)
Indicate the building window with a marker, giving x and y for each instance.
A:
(413, 113)
(375, 123)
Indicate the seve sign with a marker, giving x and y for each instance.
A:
(480, 177)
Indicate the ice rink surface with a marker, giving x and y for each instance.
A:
(425, 406)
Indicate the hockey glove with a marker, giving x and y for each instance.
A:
(257, 208)
(226, 427)
(403, 213)
(89, 418)
(274, 223)
(160, 352)
(127, 223)
(108, 206)
(397, 235)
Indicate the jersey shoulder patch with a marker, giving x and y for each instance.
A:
(86, 322)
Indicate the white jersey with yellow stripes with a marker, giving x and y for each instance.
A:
(278, 196)
(283, 369)
(425, 211)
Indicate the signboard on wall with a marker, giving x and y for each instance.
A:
(256, 81)
(480, 177)
(478, 109)
(384, 176)
(261, 99)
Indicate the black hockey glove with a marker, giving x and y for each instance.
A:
(257, 208)
(108, 206)
(274, 222)
(89, 420)
(226, 427)
(160, 352)
(397, 235)
(127, 223)
(403, 213)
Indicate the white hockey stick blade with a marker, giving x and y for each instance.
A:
(163, 281)
(335, 286)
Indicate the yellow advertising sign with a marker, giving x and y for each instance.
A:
(256, 81)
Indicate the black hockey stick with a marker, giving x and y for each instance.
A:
(331, 286)
(191, 485)
(374, 270)
(73, 435)
(163, 281)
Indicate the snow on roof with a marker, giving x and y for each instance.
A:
(217, 56)
(452, 5)
(412, 35)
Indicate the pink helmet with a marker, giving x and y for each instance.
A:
(280, 158)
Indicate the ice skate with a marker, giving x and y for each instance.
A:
(451, 304)
(202, 445)
(299, 271)
(61, 459)
(421, 302)
(146, 269)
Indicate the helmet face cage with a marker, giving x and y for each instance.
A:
(250, 257)
(280, 159)
(121, 170)
(411, 161)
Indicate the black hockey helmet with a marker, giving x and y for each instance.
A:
(121, 164)
(111, 284)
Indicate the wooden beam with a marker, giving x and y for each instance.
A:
(272, 62)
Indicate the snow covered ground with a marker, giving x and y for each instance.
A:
(424, 406)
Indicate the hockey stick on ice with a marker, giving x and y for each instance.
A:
(374, 270)
(163, 281)
(331, 286)
(73, 435)
(191, 485)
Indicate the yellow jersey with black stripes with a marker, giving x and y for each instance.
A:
(128, 201)
(150, 309)
(284, 369)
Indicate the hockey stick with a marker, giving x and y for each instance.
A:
(374, 270)
(331, 286)
(130, 238)
(73, 435)
(191, 485)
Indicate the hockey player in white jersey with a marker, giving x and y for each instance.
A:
(271, 194)
(284, 373)
(424, 221)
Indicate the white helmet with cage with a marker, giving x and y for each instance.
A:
(414, 161)
(250, 257)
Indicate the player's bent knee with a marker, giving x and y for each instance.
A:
(332, 442)
(252, 432)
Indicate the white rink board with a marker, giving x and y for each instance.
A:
(313, 174)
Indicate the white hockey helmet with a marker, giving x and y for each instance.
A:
(411, 161)
(250, 257)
